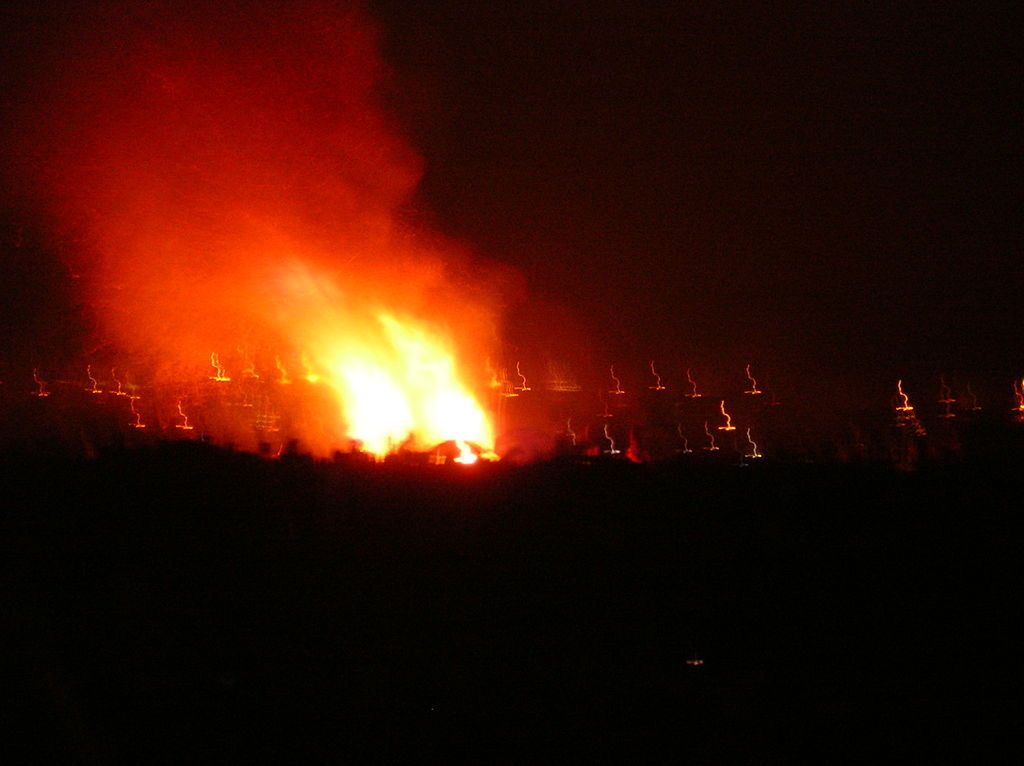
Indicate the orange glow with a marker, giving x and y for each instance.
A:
(711, 439)
(40, 384)
(1018, 392)
(686, 442)
(728, 419)
(284, 379)
(754, 390)
(569, 432)
(657, 385)
(310, 376)
(618, 386)
(689, 377)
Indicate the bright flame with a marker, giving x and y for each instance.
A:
(1018, 392)
(728, 419)
(138, 416)
(113, 376)
(401, 388)
(466, 454)
(284, 379)
(522, 378)
(686, 442)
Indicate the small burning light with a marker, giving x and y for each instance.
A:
(728, 418)
(183, 425)
(753, 390)
(523, 386)
(1018, 393)
(753, 453)
(249, 370)
(41, 391)
(93, 383)
(657, 378)
(618, 384)
(607, 435)
(695, 661)
(220, 377)
(138, 416)
(711, 439)
(569, 432)
(689, 377)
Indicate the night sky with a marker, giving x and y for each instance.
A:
(826, 193)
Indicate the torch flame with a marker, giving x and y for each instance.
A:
(183, 425)
(904, 405)
(113, 376)
(607, 435)
(138, 416)
(215, 363)
(93, 383)
(41, 390)
(753, 447)
(522, 377)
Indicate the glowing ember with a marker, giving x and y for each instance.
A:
(686, 442)
(754, 390)
(689, 377)
(728, 426)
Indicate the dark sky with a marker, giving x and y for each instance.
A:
(820, 191)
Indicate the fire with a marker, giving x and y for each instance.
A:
(569, 432)
(754, 390)
(1018, 393)
(611, 442)
(689, 377)
(113, 376)
(728, 418)
(284, 379)
(466, 454)
(686, 442)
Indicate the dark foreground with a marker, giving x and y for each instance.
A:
(180, 602)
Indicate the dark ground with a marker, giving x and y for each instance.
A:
(182, 601)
